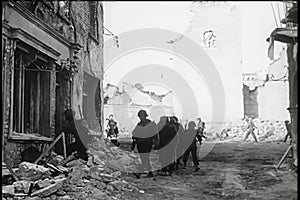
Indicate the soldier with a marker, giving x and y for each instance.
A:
(179, 150)
(250, 129)
(112, 127)
(288, 130)
(190, 141)
(167, 144)
(144, 136)
(80, 131)
(200, 129)
(113, 131)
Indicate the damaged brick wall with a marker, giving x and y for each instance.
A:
(293, 97)
(73, 31)
(91, 54)
(250, 102)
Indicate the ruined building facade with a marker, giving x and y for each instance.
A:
(51, 61)
(289, 36)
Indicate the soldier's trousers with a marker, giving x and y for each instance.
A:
(144, 149)
(193, 151)
(253, 135)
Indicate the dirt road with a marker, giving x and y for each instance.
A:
(236, 170)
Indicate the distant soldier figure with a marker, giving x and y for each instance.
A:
(112, 128)
(288, 130)
(200, 129)
(250, 130)
(144, 136)
(190, 141)
(112, 131)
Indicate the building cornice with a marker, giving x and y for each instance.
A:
(17, 33)
(39, 23)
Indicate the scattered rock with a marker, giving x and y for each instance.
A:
(76, 173)
(119, 185)
(8, 190)
(32, 198)
(109, 188)
(43, 183)
(66, 197)
(33, 172)
(98, 194)
(44, 192)
(60, 192)
(116, 174)
(22, 186)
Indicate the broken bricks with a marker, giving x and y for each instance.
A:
(8, 190)
(71, 178)
(22, 186)
(43, 183)
(33, 172)
(44, 192)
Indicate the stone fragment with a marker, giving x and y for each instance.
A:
(8, 190)
(60, 192)
(116, 174)
(33, 172)
(98, 194)
(119, 185)
(106, 177)
(43, 183)
(98, 161)
(65, 197)
(109, 188)
(44, 192)
(22, 186)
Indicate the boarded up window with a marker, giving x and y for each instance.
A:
(93, 19)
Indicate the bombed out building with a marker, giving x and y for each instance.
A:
(51, 61)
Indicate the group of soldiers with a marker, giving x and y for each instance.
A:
(173, 142)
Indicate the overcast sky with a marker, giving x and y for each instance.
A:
(257, 22)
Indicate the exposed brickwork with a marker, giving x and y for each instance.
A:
(90, 60)
(250, 102)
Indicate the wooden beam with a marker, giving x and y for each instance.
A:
(11, 171)
(284, 156)
(50, 147)
(64, 145)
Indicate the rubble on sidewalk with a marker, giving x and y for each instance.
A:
(55, 178)
(267, 130)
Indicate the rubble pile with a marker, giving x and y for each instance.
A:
(267, 130)
(56, 178)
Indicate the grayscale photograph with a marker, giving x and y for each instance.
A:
(149, 100)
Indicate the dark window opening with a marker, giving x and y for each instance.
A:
(31, 96)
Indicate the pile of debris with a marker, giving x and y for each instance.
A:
(57, 178)
(267, 130)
